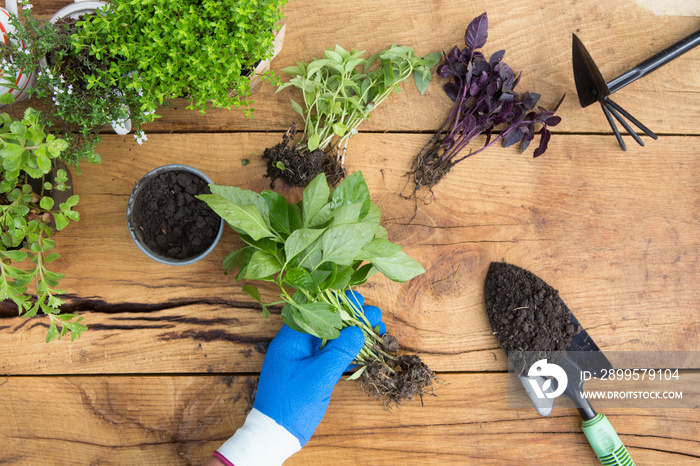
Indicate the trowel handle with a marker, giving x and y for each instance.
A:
(605, 442)
(661, 58)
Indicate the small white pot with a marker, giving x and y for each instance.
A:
(24, 81)
(76, 10)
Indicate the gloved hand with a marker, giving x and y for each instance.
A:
(294, 390)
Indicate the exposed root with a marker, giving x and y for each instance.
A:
(396, 379)
(296, 166)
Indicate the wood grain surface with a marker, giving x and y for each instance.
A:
(181, 419)
(165, 372)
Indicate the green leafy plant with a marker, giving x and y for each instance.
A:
(314, 251)
(29, 218)
(203, 50)
(340, 91)
(71, 83)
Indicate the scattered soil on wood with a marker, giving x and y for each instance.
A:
(397, 379)
(526, 314)
(296, 166)
(173, 223)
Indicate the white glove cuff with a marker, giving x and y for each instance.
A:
(260, 442)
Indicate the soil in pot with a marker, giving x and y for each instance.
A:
(296, 166)
(172, 222)
(526, 314)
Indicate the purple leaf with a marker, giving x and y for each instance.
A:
(492, 88)
(524, 144)
(530, 100)
(496, 58)
(553, 121)
(544, 140)
(477, 32)
(446, 71)
(452, 91)
(513, 137)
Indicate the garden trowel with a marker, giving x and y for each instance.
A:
(544, 381)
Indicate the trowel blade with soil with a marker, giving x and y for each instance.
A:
(582, 354)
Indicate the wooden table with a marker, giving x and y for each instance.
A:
(164, 374)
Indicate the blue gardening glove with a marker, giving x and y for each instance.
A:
(294, 390)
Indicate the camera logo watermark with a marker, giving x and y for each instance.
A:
(541, 369)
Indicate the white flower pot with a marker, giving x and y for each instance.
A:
(24, 81)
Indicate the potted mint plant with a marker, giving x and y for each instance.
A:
(31, 212)
(208, 51)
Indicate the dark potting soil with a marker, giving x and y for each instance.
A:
(296, 166)
(173, 223)
(526, 314)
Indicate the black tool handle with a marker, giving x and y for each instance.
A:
(661, 58)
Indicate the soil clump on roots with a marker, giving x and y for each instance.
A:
(296, 166)
(396, 378)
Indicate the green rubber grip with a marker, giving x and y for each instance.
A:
(605, 442)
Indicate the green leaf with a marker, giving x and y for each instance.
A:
(352, 189)
(347, 214)
(341, 279)
(255, 294)
(432, 59)
(46, 203)
(299, 240)
(16, 256)
(279, 212)
(7, 99)
(297, 108)
(313, 142)
(53, 331)
(340, 129)
(377, 248)
(262, 265)
(70, 203)
(331, 55)
(61, 221)
(300, 278)
(245, 219)
(319, 319)
(235, 259)
(11, 157)
(315, 197)
(356, 375)
(362, 274)
(399, 267)
(421, 80)
(341, 243)
(243, 197)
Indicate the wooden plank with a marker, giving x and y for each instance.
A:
(536, 35)
(616, 233)
(180, 420)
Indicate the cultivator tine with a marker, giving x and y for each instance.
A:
(612, 125)
(631, 118)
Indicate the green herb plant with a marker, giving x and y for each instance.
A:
(341, 89)
(314, 251)
(202, 50)
(29, 218)
(71, 84)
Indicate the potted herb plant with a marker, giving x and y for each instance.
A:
(31, 211)
(165, 219)
(208, 51)
(69, 79)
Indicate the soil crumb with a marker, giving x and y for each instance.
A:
(296, 166)
(526, 314)
(394, 381)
